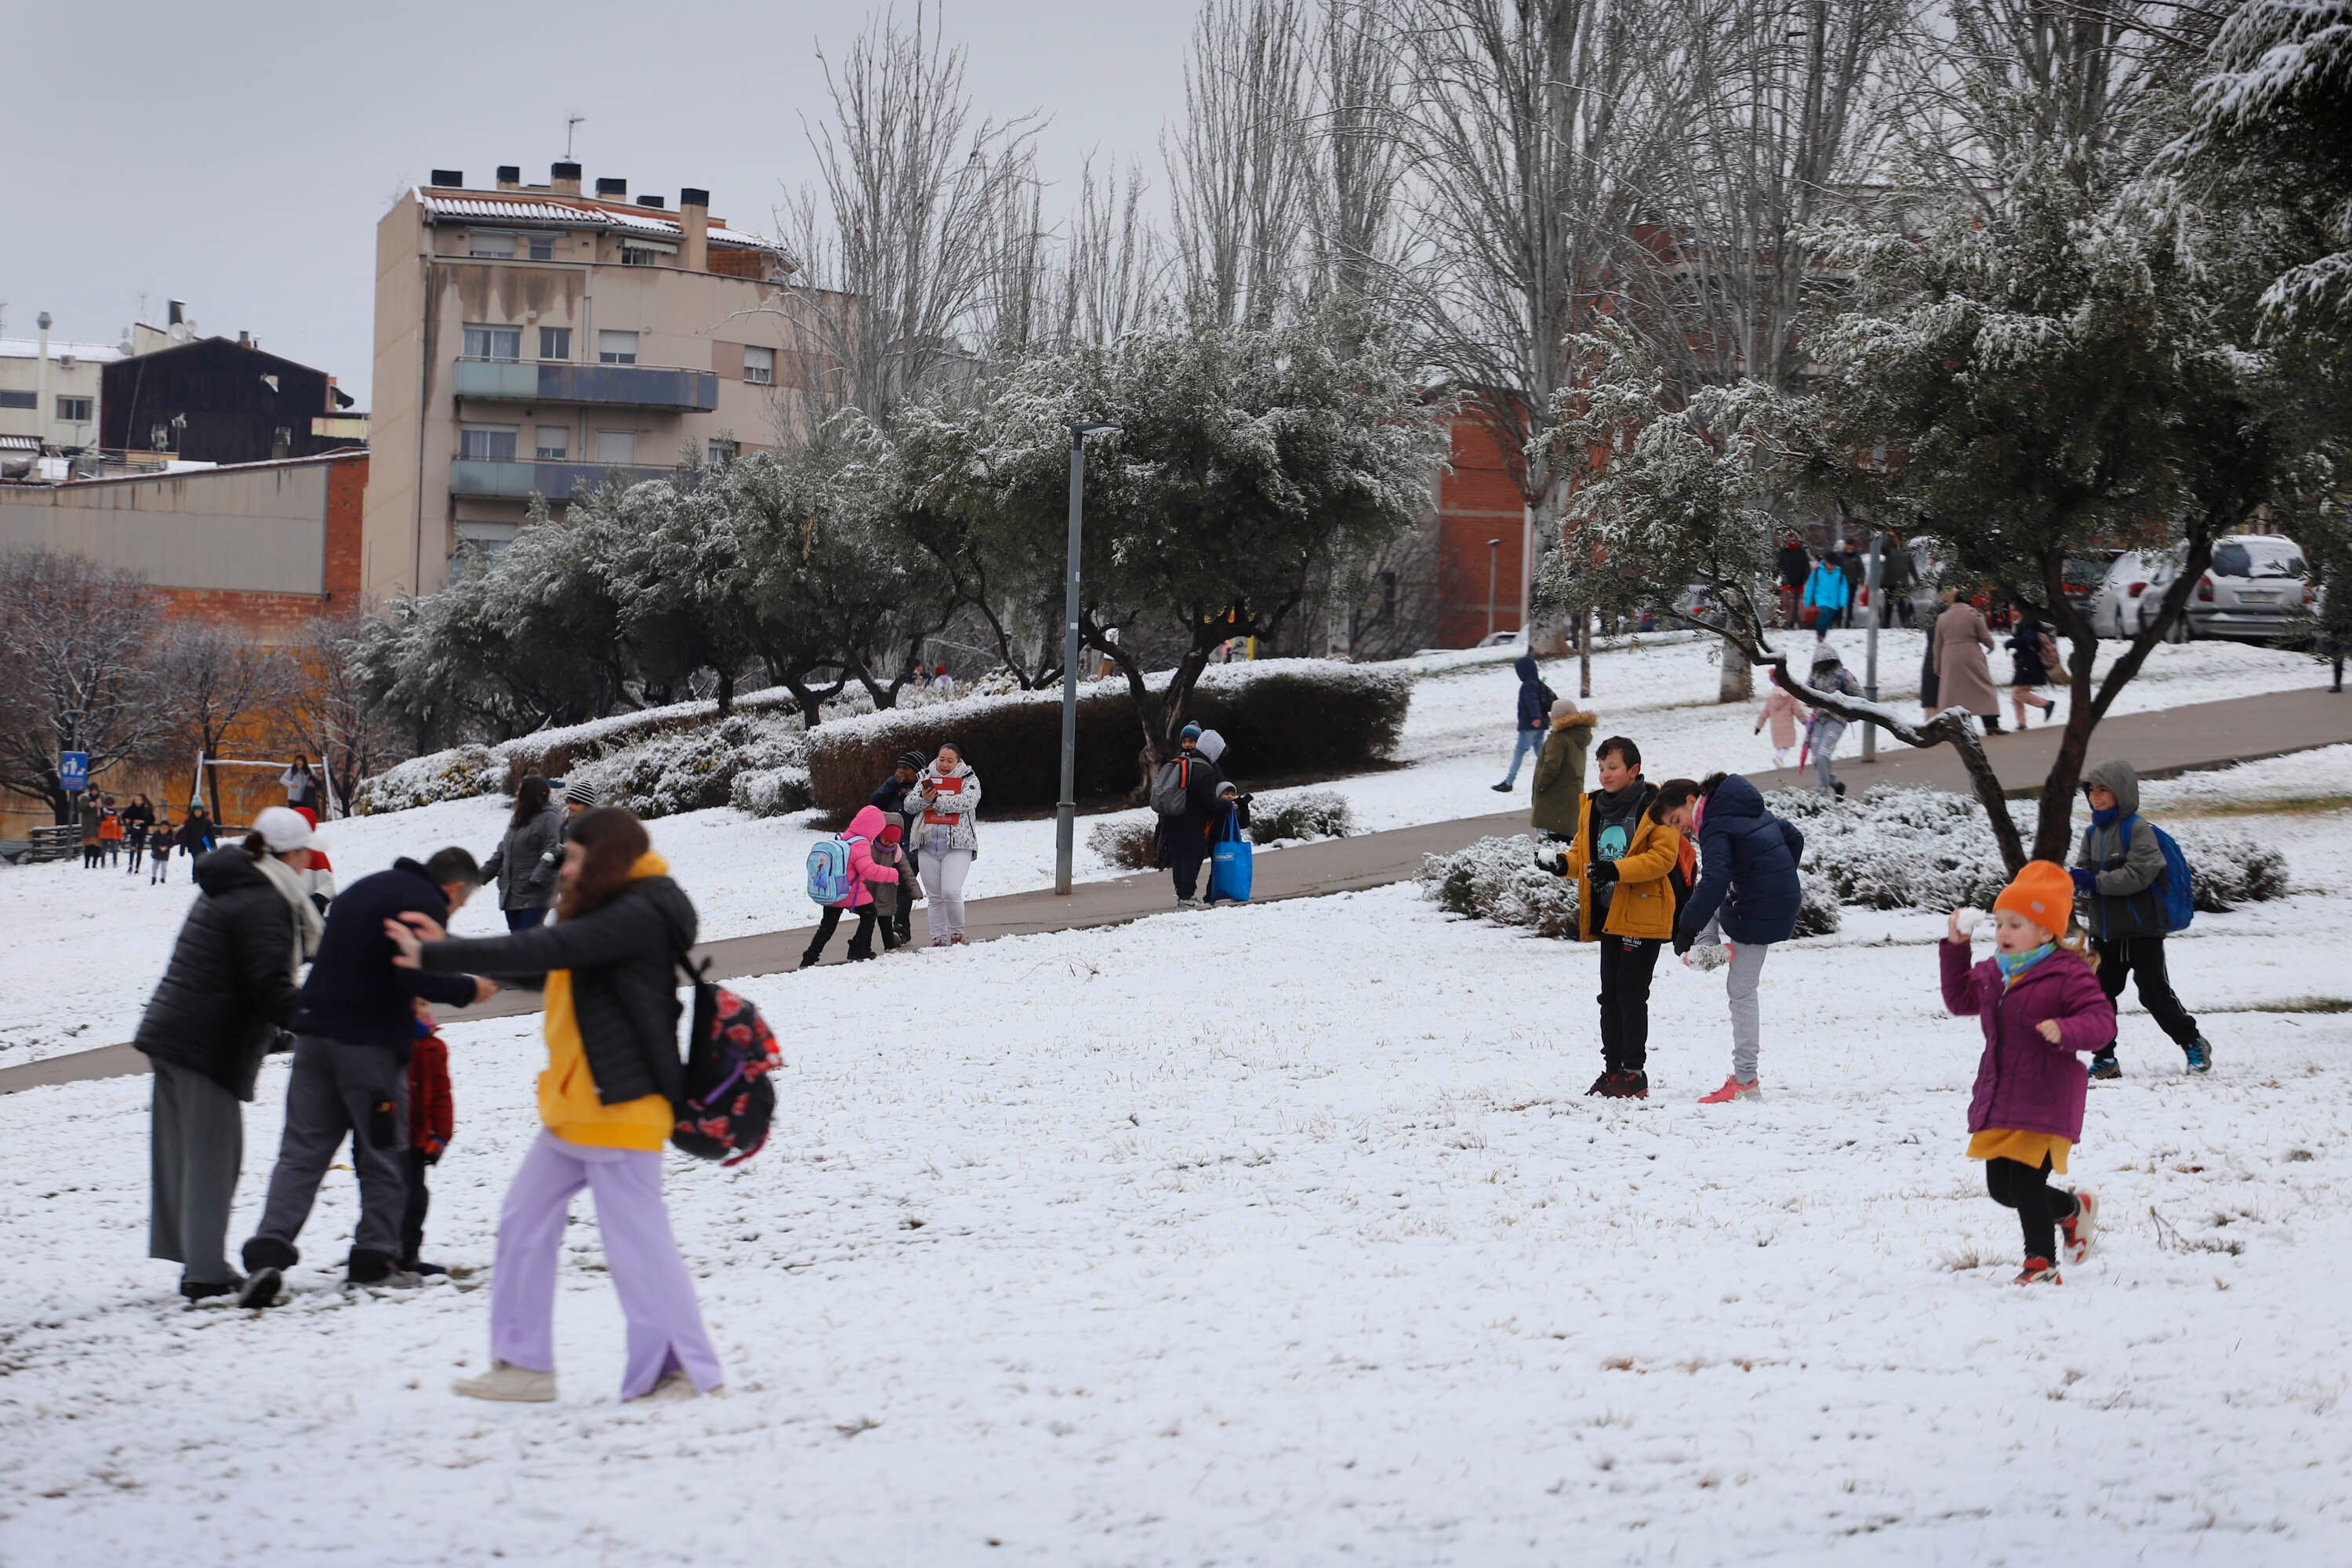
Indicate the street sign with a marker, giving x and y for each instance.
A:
(73, 770)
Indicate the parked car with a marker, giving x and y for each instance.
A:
(2084, 575)
(2128, 595)
(2258, 587)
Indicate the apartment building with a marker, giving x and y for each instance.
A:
(50, 392)
(532, 340)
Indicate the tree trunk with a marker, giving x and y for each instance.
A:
(1583, 652)
(726, 692)
(1738, 681)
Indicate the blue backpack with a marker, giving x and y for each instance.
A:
(2180, 897)
(828, 871)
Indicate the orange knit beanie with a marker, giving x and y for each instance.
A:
(2043, 893)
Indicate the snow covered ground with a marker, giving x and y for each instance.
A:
(85, 947)
(1284, 1235)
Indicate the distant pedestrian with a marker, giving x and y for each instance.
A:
(524, 864)
(2119, 874)
(1560, 770)
(90, 812)
(228, 992)
(1963, 677)
(1828, 675)
(1184, 798)
(1856, 572)
(2033, 664)
(947, 838)
(942, 683)
(2040, 1005)
(1783, 713)
(1898, 580)
(110, 832)
(138, 822)
(161, 839)
(608, 1100)
(301, 786)
(1749, 893)
(1534, 719)
(857, 867)
(1826, 596)
(893, 900)
(1796, 565)
(196, 832)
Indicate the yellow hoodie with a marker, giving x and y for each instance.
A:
(568, 1105)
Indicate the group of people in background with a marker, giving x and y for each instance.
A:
(139, 833)
(1828, 593)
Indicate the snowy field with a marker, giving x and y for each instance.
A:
(85, 948)
(1284, 1235)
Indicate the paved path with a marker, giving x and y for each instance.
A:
(2176, 741)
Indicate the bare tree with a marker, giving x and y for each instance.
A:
(330, 713)
(1240, 161)
(1355, 198)
(214, 682)
(75, 673)
(1113, 270)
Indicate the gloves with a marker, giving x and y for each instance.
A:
(1552, 860)
(1683, 939)
(2085, 882)
(1603, 873)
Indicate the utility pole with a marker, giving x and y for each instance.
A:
(1870, 657)
(1494, 555)
(1066, 809)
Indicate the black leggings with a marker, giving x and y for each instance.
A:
(861, 942)
(2040, 1207)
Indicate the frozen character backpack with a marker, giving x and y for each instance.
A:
(828, 871)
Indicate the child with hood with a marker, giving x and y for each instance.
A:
(1784, 713)
(1747, 896)
(1534, 719)
(2119, 873)
(1825, 729)
(1559, 769)
(2040, 1002)
(863, 830)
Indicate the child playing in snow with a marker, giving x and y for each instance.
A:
(159, 840)
(1784, 713)
(431, 1119)
(863, 872)
(2040, 1002)
(890, 850)
(2119, 875)
(1822, 733)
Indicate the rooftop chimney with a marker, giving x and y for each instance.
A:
(244, 340)
(694, 230)
(509, 176)
(565, 178)
(448, 179)
(618, 190)
(653, 202)
(174, 311)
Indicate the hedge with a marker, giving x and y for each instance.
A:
(1496, 880)
(1277, 716)
(1284, 816)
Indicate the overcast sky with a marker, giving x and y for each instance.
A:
(238, 155)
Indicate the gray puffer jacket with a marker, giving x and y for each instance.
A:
(520, 865)
(2125, 898)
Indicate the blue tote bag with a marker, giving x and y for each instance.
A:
(1229, 864)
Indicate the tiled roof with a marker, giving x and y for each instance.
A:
(547, 212)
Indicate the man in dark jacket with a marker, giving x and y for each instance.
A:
(1184, 837)
(1535, 717)
(1748, 891)
(350, 1079)
(2116, 873)
(890, 799)
(1796, 565)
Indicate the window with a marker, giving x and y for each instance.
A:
(616, 347)
(722, 451)
(480, 242)
(494, 342)
(487, 443)
(553, 443)
(542, 248)
(31, 400)
(616, 447)
(758, 365)
(647, 253)
(74, 410)
(555, 343)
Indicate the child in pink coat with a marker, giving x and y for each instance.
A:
(1784, 713)
(863, 830)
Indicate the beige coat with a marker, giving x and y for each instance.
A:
(1962, 640)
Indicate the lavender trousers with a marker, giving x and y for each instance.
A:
(656, 1294)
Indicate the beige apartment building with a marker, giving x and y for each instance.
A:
(49, 395)
(533, 339)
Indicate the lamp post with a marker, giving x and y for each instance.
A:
(1872, 591)
(1493, 555)
(1066, 810)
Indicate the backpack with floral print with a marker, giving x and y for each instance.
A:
(729, 1054)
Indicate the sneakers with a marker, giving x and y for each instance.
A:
(196, 1290)
(1734, 1089)
(1839, 787)
(2103, 1066)
(261, 1288)
(509, 1385)
(674, 1386)
(2199, 1054)
(1622, 1083)
(424, 1270)
(2080, 1228)
(2038, 1271)
(1601, 1084)
(957, 940)
(1500, 788)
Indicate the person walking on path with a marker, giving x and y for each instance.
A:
(948, 839)
(138, 821)
(1783, 713)
(524, 864)
(2033, 663)
(1796, 565)
(859, 839)
(1535, 719)
(1825, 729)
(90, 813)
(890, 797)
(1622, 859)
(1898, 579)
(2119, 873)
(1560, 770)
(607, 1103)
(301, 786)
(1826, 595)
(352, 1036)
(1192, 779)
(2039, 1004)
(1963, 676)
(1748, 891)
(226, 992)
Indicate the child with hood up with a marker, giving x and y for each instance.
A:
(2041, 1005)
(893, 898)
(1825, 729)
(2119, 875)
(863, 830)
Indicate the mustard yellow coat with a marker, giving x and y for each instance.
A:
(1644, 903)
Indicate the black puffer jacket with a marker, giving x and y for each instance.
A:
(229, 987)
(623, 956)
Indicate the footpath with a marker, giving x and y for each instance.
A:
(2160, 744)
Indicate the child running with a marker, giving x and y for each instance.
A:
(2039, 1004)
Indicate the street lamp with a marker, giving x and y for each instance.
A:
(1493, 555)
(1066, 810)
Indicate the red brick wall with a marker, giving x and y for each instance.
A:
(1477, 500)
(346, 488)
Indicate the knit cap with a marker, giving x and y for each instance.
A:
(915, 760)
(2043, 893)
(1189, 733)
(891, 833)
(582, 792)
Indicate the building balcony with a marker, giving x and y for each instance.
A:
(492, 479)
(603, 385)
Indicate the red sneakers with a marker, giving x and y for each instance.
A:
(2080, 1228)
(2038, 1271)
(1734, 1089)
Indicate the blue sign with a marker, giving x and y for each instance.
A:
(73, 770)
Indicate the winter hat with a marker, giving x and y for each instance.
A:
(305, 813)
(2043, 893)
(915, 760)
(1213, 745)
(579, 792)
(891, 833)
(1189, 733)
(1562, 709)
(283, 830)
(1825, 655)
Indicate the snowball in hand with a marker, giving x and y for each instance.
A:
(1965, 922)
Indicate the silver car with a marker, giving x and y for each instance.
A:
(2257, 587)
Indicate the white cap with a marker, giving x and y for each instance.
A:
(283, 828)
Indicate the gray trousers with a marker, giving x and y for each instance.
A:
(197, 1134)
(336, 1090)
(1747, 972)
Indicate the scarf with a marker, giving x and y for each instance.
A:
(2013, 965)
(307, 923)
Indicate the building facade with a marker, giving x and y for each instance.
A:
(531, 340)
(216, 400)
(50, 392)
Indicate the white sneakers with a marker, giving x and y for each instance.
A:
(515, 1385)
(674, 1385)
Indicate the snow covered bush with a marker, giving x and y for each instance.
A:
(1126, 842)
(2226, 869)
(1284, 815)
(457, 774)
(771, 791)
(695, 769)
(1496, 880)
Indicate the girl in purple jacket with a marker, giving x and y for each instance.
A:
(2040, 1002)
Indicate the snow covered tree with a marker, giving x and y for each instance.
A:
(213, 681)
(76, 671)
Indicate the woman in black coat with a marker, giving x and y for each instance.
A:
(226, 995)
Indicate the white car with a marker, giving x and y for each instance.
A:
(2258, 586)
(2127, 599)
